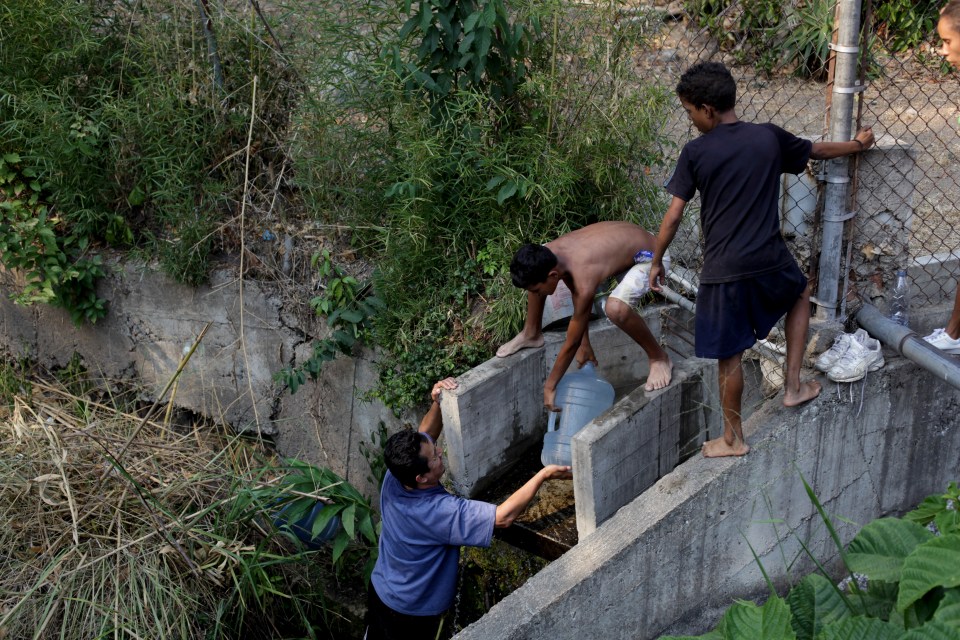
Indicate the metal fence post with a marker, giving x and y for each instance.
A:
(837, 170)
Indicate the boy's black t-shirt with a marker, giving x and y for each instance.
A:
(737, 167)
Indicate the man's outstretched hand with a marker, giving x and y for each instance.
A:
(446, 383)
(557, 472)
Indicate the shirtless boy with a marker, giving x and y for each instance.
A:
(584, 259)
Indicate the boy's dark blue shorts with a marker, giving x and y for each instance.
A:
(732, 316)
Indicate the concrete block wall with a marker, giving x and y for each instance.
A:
(627, 449)
(672, 560)
(491, 418)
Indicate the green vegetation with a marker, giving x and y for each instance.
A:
(115, 115)
(295, 492)
(349, 311)
(770, 34)
(779, 36)
(117, 525)
(469, 165)
(433, 138)
(55, 268)
(903, 24)
(903, 584)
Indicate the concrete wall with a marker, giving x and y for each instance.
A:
(624, 451)
(674, 558)
(497, 412)
(151, 321)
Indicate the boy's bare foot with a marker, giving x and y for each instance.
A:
(808, 391)
(661, 372)
(520, 341)
(718, 448)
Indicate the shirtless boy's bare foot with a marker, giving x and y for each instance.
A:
(661, 372)
(719, 448)
(520, 341)
(807, 391)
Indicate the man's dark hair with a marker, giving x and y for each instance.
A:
(951, 11)
(708, 83)
(531, 265)
(402, 455)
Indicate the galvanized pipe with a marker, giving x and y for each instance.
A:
(837, 173)
(676, 298)
(909, 345)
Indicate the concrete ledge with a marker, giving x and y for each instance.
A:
(683, 548)
(623, 452)
(496, 413)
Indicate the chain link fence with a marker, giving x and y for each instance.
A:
(903, 197)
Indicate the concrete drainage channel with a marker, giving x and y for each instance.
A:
(664, 547)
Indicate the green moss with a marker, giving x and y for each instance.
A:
(487, 576)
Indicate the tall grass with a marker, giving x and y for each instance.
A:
(149, 542)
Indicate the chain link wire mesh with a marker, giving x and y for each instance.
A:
(904, 196)
(909, 194)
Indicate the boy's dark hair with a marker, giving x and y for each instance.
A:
(951, 11)
(531, 265)
(402, 455)
(708, 83)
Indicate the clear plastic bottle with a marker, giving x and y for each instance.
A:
(900, 299)
(582, 395)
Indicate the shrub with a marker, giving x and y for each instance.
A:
(487, 129)
(52, 260)
(132, 120)
(902, 583)
(773, 36)
(904, 24)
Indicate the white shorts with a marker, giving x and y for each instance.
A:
(635, 283)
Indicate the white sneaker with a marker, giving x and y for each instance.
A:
(857, 360)
(942, 340)
(841, 343)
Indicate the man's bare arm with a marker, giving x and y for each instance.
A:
(575, 332)
(516, 503)
(432, 423)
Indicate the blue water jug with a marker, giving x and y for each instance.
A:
(303, 528)
(582, 395)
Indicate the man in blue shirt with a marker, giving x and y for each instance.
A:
(423, 528)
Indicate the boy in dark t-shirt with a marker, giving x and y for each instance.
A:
(749, 278)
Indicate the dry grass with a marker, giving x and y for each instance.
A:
(147, 545)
